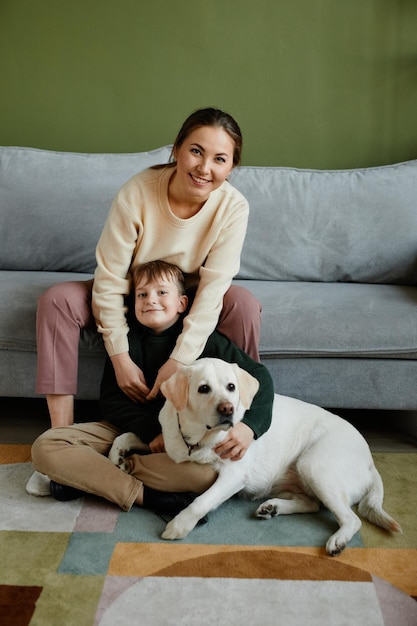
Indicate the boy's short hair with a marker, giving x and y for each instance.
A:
(153, 270)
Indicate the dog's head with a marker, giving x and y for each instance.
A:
(209, 395)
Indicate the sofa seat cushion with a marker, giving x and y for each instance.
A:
(336, 319)
(298, 319)
(19, 292)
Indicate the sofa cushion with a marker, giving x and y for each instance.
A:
(53, 205)
(336, 320)
(342, 225)
(349, 320)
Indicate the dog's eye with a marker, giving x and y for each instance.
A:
(231, 387)
(204, 389)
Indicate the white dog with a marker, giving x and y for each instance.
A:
(307, 456)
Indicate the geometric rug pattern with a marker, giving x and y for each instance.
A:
(85, 562)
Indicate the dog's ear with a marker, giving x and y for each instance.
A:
(248, 386)
(175, 389)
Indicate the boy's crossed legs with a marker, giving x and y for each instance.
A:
(77, 456)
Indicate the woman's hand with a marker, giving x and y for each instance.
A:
(236, 442)
(157, 444)
(130, 377)
(166, 371)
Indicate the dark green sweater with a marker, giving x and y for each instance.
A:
(149, 352)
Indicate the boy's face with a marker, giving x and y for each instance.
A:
(158, 304)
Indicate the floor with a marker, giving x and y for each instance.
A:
(23, 419)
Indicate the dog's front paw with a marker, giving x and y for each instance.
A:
(267, 510)
(118, 451)
(179, 527)
(124, 465)
(123, 446)
(115, 457)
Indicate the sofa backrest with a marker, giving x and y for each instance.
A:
(342, 225)
(311, 225)
(53, 205)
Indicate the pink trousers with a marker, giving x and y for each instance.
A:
(65, 309)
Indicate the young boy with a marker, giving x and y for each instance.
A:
(75, 457)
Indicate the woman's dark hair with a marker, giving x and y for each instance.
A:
(210, 117)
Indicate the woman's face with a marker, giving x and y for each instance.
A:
(204, 161)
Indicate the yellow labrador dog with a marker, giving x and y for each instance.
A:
(307, 456)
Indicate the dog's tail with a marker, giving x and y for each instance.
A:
(370, 507)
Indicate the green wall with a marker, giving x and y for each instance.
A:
(313, 83)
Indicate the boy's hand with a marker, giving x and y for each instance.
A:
(157, 444)
(236, 442)
(130, 377)
(166, 371)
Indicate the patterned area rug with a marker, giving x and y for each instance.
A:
(85, 562)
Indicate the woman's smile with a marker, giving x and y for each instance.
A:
(200, 181)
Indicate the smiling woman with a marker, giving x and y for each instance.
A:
(205, 151)
(184, 212)
(203, 162)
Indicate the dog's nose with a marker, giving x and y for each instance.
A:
(226, 409)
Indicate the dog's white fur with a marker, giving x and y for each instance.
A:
(307, 456)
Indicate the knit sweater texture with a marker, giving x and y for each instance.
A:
(141, 227)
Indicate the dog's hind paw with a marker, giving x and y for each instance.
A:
(338, 542)
(267, 510)
(334, 548)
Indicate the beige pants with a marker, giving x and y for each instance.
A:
(77, 456)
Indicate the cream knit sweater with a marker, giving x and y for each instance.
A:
(141, 227)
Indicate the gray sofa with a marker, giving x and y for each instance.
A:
(332, 256)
